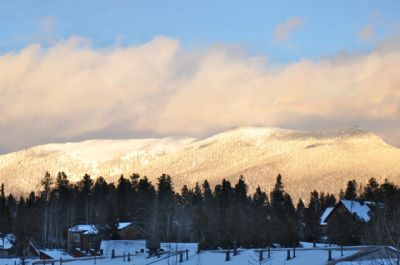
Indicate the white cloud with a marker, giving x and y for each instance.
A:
(284, 30)
(71, 91)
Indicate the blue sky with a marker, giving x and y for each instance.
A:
(327, 27)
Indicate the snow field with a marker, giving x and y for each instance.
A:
(250, 256)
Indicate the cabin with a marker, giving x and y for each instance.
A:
(7, 245)
(130, 231)
(355, 209)
(350, 216)
(85, 239)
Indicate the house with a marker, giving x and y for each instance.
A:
(7, 245)
(130, 231)
(85, 239)
(359, 210)
(347, 217)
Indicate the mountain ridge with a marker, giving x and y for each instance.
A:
(324, 160)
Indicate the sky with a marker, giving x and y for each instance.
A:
(76, 70)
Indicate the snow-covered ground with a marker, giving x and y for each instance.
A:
(317, 245)
(369, 262)
(303, 256)
(136, 246)
(8, 261)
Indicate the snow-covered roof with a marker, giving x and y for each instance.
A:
(325, 214)
(360, 210)
(84, 229)
(123, 225)
(89, 229)
(7, 241)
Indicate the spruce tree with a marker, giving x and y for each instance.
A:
(145, 203)
(283, 216)
(300, 216)
(351, 190)
(85, 195)
(5, 214)
(166, 206)
(259, 229)
(313, 212)
(124, 199)
(20, 229)
(371, 190)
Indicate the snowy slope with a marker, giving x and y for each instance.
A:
(323, 160)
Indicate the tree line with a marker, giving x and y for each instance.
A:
(223, 216)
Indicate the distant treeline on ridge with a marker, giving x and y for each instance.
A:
(215, 217)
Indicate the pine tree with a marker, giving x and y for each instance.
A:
(102, 202)
(239, 213)
(146, 198)
(209, 220)
(277, 195)
(166, 206)
(300, 216)
(197, 212)
(12, 205)
(124, 199)
(5, 214)
(371, 190)
(224, 196)
(259, 230)
(388, 194)
(62, 201)
(85, 195)
(351, 190)
(313, 212)
(45, 194)
(283, 215)
(291, 233)
(34, 223)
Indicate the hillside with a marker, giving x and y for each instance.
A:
(307, 160)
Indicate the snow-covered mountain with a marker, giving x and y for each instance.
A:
(307, 160)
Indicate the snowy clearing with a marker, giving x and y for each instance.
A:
(303, 256)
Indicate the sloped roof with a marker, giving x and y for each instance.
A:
(325, 214)
(90, 229)
(55, 253)
(123, 225)
(7, 241)
(84, 229)
(358, 209)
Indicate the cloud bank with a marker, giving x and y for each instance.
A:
(71, 91)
